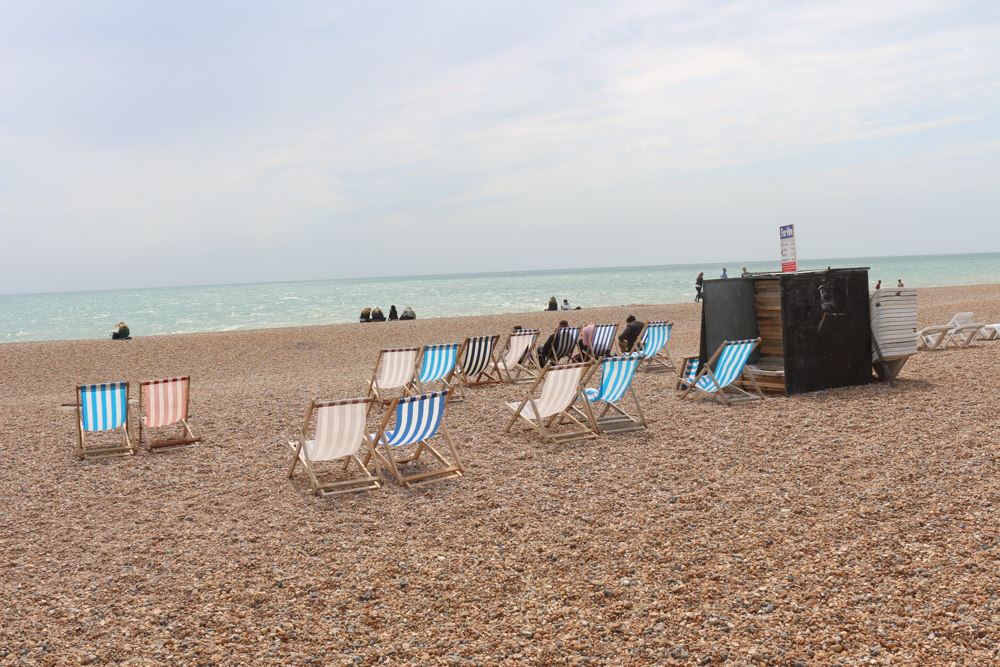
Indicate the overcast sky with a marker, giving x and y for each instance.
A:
(156, 144)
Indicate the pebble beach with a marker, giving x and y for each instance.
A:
(853, 526)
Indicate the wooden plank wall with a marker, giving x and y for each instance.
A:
(767, 300)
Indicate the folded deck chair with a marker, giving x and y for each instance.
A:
(602, 341)
(553, 407)
(418, 419)
(477, 365)
(438, 366)
(689, 371)
(518, 359)
(933, 338)
(963, 335)
(162, 403)
(729, 362)
(340, 436)
(617, 374)
(564, 344)
(655, 348)
(103, 407)
(394, 369)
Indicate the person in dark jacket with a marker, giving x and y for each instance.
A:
(121, 333)
(543, 353)
(366, 315)
(377, 315)
(408, 314)
(699, 284)
(630, 334)
(393, 315)
(553, 304)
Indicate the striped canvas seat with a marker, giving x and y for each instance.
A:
(394, 369)
(603, 340)
(689, 371)
(162, 403)
(518, 362)
(716, 378)
(477, 364)
(418, 419)
(617, 374)
(562, 386)
(438, 366)
(103, 407)
(564, 344)
(340, 435)
(655, 348)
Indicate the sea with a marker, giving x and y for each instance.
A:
(175, 310)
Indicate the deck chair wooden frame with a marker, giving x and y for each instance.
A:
(564, 344)
(553, 407)
(518, 357)
(395, 368)
(340, 434)
(103, 407)
(617, 378)
(655, 348)
(477, 364)
(163, 403)
(418, 419)
(601, 343)
(730, 360)
(689, 371)
(437, 364)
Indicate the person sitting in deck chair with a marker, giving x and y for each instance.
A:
(630, 334)
(543, 354)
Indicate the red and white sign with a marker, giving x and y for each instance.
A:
(787, 233)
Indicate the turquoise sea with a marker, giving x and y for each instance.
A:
(170, 310)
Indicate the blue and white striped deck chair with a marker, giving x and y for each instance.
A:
(103, 407)
(655, 347)
(729, 362)
(602, 341)
(563, 386)
(418, 419)
(438, 366)
(617, 374)
(477, 364)
(564, 344)
(518, 359)
(689, 371)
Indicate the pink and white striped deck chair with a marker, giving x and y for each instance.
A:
(563, 385)
(395, 368)
(165, 402)
(341, 434)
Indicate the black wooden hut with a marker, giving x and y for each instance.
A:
(814, 327)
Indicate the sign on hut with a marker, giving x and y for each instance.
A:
(813, 325)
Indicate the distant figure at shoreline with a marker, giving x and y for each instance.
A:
(899, 283)
(377, 315)
(366, 315)
(699, 284)
(121, 333)
(878, 286)
(724, 274)
(393, 315)
(745, 272)
(408, 314)
(553, 304)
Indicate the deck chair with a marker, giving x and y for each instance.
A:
(477, 364)
(518, 359)
(729, 362)
(617, 374)
(655, 347)
(340, 436)
(394, 369)
(438, 366)
(553, 407)
(689, 371)
(418, 419)
(563, 345)
(933, 338)
(162, 403)
(602, 341)
(991, 331)
(103, 407)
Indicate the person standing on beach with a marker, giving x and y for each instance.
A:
(553, 304)
(724, 274)
(121, 333)
(745, 273)
(630, 335)
(699, 284)
(878, 286)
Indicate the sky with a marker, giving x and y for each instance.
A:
(190, 143)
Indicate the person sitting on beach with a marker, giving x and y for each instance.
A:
(553, 304)
(630, 334)
(566, 305)
(366, 315)
(408, 314)
(543, 354)
(393, 315)
(377, 315)
(121, 333)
